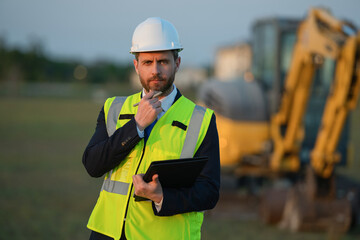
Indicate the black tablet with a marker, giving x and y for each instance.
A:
(176, 173)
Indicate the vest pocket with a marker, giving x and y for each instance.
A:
(126, 116)
(179, 125)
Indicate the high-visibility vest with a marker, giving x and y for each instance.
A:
(116, 206)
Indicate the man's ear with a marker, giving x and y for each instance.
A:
(177, 64)
(136, 66)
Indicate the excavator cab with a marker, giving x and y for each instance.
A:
(272, 44)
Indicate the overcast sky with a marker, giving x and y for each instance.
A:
(93, 29)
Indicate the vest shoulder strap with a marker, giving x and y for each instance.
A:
(193, 131)
(113, 114)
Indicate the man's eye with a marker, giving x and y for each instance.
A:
(164, 62)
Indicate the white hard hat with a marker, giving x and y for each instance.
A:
(155, 34)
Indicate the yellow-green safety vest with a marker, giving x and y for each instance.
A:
(164, 143)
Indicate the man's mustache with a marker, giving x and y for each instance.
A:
(157, 78)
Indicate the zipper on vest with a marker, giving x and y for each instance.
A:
(131, 187)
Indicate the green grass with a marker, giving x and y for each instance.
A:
(45, 190)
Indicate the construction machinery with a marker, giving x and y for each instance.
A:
(288, 117)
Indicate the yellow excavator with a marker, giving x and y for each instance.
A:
(286, 119)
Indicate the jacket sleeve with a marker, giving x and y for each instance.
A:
(204, 194)
(103, 153)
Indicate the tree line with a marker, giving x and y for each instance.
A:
(32, 65)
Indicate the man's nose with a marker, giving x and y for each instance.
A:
(156, 68)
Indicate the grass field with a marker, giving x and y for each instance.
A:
(46, 192)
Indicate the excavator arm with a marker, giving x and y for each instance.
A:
(320, 36)
(342, 99)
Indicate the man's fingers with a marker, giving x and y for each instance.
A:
(149, 95)
(138, 177)
(152, 94)
(153, 100)
(154, 104)
(155, 178)
(139, 184)
(135, 179)
(157, 104)
(151, 190)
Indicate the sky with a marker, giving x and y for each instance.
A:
(90, 30)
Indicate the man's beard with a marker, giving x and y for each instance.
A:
(163, 88)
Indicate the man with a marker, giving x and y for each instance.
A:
(124, 145)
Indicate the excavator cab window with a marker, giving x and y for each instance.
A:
(264, 66)
(323, 78)
(287, 42)
(273, 41)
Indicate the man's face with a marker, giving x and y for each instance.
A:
(156, 70)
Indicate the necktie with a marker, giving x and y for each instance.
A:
(148, 129)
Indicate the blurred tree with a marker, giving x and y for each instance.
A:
(104, 71)
(34, 66)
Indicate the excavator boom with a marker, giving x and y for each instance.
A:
(342, 99)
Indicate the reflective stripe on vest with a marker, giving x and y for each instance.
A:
(193, 131)
(188, 149)
(113, 115)
(115, 186)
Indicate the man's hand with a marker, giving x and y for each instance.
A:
(151, 190)
(148, 110)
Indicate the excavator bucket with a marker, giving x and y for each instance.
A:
(302, 213)
(271, 205)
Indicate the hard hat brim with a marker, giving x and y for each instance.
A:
(155, 50)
